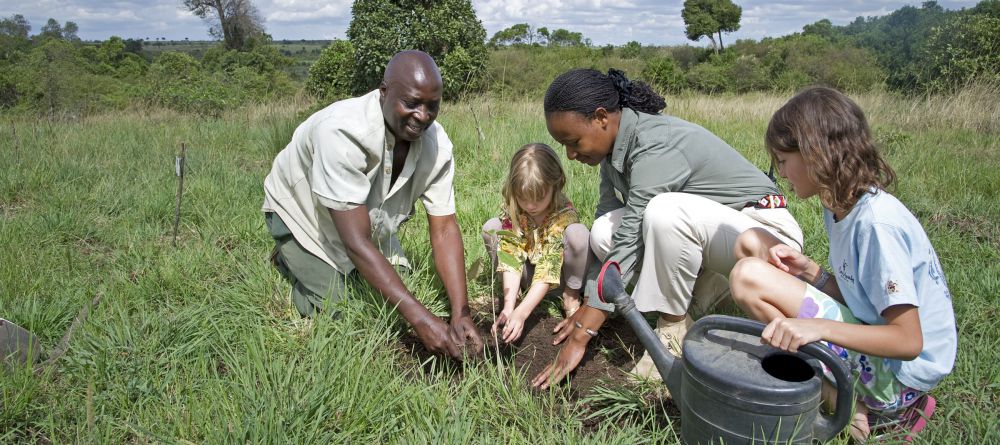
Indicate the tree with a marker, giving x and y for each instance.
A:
(631, 50)
(706, 18)
(381, 28)
(563, 37)
(963, 50)
(518, 34)
(52, 29)
(823, 28)
(69, 32)
(15, 26)
(331, 76)
(236, 22)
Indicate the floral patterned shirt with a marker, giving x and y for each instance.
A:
(541, 245)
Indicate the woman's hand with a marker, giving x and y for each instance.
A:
(790, 334)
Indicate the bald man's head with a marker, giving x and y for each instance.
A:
(410, 94)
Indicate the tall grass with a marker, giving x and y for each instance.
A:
(199, 344)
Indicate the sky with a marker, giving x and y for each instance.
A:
(649, 22)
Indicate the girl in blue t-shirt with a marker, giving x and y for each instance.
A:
(884, 306)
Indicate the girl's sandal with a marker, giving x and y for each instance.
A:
(904, 427)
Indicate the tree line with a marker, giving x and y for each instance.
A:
(912, 50)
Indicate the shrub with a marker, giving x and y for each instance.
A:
(331, 76)
(381, 28)
(662, 73)
(709, 77)
(963, 50)
(459, 63)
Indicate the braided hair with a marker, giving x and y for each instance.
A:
(585, 90)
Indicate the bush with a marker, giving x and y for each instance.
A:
(331, 76)
(663, 74)
(965, 49)
(459, 63)
(708, 77)
(381, 28)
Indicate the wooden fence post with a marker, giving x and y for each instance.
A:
(179, 171)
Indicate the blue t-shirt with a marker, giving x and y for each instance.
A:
(881, 257)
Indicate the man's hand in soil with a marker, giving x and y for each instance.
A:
(468, 334)
(569, 356)
(437, 336)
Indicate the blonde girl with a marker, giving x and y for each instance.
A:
(884, 305)
(537, 243)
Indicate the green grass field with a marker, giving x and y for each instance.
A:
(199, 343)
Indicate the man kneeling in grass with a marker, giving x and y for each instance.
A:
(337, 194)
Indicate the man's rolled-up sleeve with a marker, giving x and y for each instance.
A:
(439, 198)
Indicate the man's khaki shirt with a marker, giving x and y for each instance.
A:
(341, 158)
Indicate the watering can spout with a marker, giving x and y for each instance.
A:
(611, 289)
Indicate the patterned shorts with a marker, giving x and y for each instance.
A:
(875, 383)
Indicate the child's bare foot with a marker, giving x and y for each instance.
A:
(571, 302)
(859, 424)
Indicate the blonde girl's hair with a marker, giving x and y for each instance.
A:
(535, 170)
(833, 136)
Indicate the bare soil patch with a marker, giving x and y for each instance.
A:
(608, 358)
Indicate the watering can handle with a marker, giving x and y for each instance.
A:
(826, 426)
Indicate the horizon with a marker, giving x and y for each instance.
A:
(649, 22)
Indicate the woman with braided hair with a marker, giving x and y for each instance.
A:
(673, 199)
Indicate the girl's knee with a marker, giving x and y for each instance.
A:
(576, 238)
(748, 275)
(754, 242)
(491, 227)
(489, 233)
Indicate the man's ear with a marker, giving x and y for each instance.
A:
(382, 90)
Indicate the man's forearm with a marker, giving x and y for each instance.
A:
(377, 271)
(449, 259)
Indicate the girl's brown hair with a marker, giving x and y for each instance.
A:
(535, 170)
(833, 136)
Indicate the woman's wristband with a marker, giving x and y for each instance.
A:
(589, 331)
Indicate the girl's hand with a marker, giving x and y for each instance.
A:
(514, 326)
(788, 259)
(790, 334)
(502, 319)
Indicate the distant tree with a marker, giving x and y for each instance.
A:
(519, 34)
(631, 50)
(965, 49)
(15, 26)
(562, 37)
(381, 28)
(987, 7)
(543, 33)
(706, 18)
(236, 22)
(51, 30)
(898, 39)
(133, 46)
(13, 37)
(69, 31)
(823, 28)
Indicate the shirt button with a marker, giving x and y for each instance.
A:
(388, 170)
